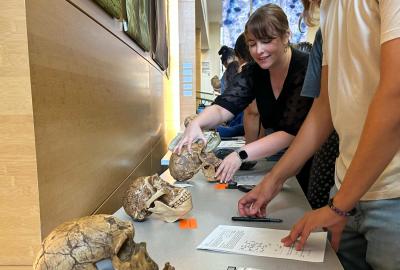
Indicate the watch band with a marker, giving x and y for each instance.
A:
(340, 212)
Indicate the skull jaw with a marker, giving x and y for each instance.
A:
(209, 173)
(137, 259)
(170, 214)
(142, 213)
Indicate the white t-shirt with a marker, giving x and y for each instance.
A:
(353, 31)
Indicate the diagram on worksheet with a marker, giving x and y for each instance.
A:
(263, 242)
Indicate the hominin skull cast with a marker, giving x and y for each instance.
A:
(79, 244)
(185, 165)
(151, 194)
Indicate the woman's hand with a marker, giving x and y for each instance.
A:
(228, 167)
(255, 202)
(321, 218)
(191, 134)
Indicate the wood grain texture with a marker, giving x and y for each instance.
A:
(19, 205)
(97, 108)
(19, 267)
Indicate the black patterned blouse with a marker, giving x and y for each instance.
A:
(287, 112)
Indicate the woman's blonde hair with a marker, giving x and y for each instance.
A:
(267, 22)
(308, 12)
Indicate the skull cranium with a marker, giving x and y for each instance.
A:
(185, 165)
(79, 244)
(151, 194)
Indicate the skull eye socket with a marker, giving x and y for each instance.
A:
(206, 167)
(152, 205)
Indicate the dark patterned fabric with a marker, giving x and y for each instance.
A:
(287, 112)
(322, 174)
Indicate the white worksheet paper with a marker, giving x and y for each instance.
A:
(263, 242)
(231, 144)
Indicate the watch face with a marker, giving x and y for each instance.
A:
(243, 155)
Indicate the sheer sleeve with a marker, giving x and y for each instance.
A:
(240, 92)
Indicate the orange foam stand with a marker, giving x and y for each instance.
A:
(220, 186)
(189, 223)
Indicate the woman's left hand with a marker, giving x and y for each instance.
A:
(228, 167)
(320, 218)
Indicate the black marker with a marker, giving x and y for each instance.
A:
(257, 219)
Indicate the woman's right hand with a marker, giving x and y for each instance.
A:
(254, 203)
(191, 134)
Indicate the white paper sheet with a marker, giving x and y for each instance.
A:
(231, 144)
(248, 179)
(263, 242)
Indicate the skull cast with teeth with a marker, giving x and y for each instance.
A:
(185, 165)
(79, 244)
(151, 194)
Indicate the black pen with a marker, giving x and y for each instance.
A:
(257, 219)
(231, 139)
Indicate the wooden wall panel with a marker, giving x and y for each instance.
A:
(96, 112)
(19, 205)
(8, 267)
(115, 199)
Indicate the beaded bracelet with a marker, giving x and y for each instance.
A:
(341, 213)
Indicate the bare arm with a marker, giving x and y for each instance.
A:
(251, 122)
(212, 116)
(268, 145)
(264, 147)
(381, 133)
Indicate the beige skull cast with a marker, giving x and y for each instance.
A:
(79, 244)
(210, 164)
(184, 166)
(151, 194)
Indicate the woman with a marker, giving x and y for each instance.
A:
(274, 80)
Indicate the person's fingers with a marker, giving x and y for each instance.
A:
(304, 236)
(179, 147)
(219, 170)
(335, 239)
(223, 175)
(258, 205)
(230, 174)
(262, 211)
(189, 146)
(203, 138)
(294, 233)
(244, 204)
